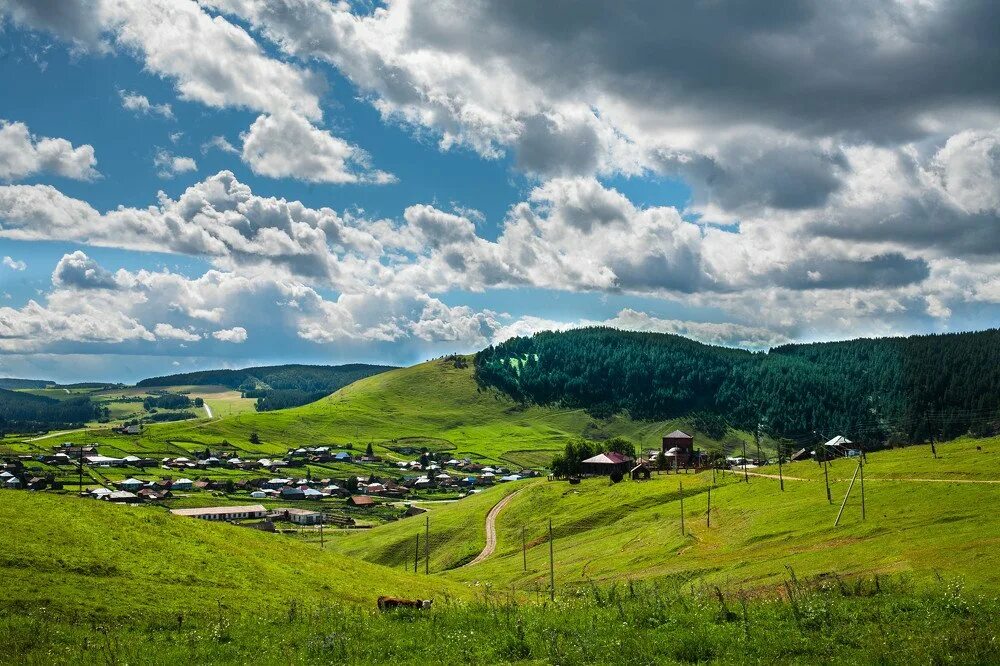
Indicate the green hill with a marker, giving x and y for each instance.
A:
(873, 390)
(435, 404)
(81, 557)
(925, 517)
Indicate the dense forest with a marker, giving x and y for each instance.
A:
(24, 412)
(872, 390)
(278, 386)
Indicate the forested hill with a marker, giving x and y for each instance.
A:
(276, 386)
(869, 389)
(24, 412)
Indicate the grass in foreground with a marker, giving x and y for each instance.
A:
(884, 621)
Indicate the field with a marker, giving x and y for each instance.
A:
(771, 580)
(395, 410)
(611, 532)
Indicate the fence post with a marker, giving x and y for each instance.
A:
(552, 566)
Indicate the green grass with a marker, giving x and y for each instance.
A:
(865, 622)
(433, 404)
(456, 531)
(85, 558)
(606, 532)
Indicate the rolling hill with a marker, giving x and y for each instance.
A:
(872, 389)
(925, 517)
(436, 404)
(145, 564)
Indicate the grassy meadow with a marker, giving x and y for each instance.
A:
(433, 404)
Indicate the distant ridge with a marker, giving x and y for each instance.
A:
(276, 386)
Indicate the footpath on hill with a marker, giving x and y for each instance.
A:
(491, 528)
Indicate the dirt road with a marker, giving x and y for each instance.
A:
(491, 529)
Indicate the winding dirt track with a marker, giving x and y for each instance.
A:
(491, 529)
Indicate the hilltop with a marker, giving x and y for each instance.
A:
(436, 405)
(871, 389)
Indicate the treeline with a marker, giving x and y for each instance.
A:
(24, 412)
(278, 386)
(872, 389)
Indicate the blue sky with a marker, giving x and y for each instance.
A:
(400, 183)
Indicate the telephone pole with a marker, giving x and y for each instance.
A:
(552, 566)
(681, 492)
(427, 546)
(708, 514)
(746, 477)
(524, 549)
(781, 478)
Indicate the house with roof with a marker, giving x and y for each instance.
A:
(292, 493)
(13, 483)
(299, 516)
(360, 501)
(122, 496)
(837, 447)
(131, 485)
(605, 464)
(223, 512)
(182, 484)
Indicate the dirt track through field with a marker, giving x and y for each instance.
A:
(491, 529)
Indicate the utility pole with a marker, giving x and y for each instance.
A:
(322, 543)
(552, 566)
(416, 553)
(756, 437)
(826, 475)
(524, 549)
(746, 477)
(427, 546)
(861, 468)
(708, 514)
(781, 478)
(681, 491)
(81, 467)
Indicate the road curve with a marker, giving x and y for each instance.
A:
(491, 528)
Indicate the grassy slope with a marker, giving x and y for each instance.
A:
(631, 530)
(89, 557)
(434, 401)
(457, 533)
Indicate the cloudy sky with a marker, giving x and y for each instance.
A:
(191, 184)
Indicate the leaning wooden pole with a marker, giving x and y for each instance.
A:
(849, 488)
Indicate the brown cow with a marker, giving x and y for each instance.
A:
(391, 603)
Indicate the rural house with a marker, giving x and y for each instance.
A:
(605, 464)
(223, 512)
(299, 516)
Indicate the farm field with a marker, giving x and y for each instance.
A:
(772, 579)
(612, 532)
(395, 410)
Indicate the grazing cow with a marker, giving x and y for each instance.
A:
(391, 603)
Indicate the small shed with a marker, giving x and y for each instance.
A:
(639, 472)
(360, 500)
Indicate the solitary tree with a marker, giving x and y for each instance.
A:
(254, 438)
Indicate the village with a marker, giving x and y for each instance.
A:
(341, 488)
(330, 485)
